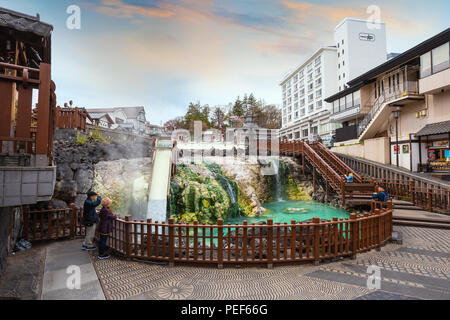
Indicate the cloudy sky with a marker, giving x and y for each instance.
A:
(163, 54)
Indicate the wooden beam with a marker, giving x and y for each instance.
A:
(42, 135)
(5, 108)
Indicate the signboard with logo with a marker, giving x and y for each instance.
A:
(367, 37)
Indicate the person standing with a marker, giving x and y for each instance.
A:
(90, 219)
(105, 227)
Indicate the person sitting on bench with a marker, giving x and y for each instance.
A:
(382, 195)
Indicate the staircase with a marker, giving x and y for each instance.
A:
(332, 171)
(406, 214)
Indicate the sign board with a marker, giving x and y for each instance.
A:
(367, 37)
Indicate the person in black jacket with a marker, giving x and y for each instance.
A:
(90, 219)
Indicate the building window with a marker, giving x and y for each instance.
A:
(356, 98)
(319, 93)
(343, 63)
(305, 133)
(318, 82)
(336, 106)
(310, 76)
(311, 97)
(302, 102)
(342, 104)
(440, 58)
(348, 101)
(310, 108)
(296, 105)
(296, 115)
(302, 112)
(319, 104)
(342, 41)
(317, 61)
(314, 130)
(310, 86)
(318, 72)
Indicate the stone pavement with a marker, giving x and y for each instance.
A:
(23, 276)
(418, 269)
(61, 255)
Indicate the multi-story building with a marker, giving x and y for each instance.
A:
(403, 108)
(359, 45)
(303, 110)
(127, 118)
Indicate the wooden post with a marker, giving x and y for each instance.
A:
(316, 240)
(73, 213)
(43, 132)
(220, 244)
(127, 239)
(430, 200)
(26, 222)
(380, 231)
(355, 234)
(293, 240)
(269, 243)
(149, 238)
(171, 242)
(412, 192)
(23, 121)
(303, 158)
(343, 192)
(195, 240)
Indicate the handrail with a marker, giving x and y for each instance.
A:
(262, 243)
(341, 165)
(323, 167)
(388, 95)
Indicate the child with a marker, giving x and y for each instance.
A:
(105, 227)
(349, 178)
(90, 219)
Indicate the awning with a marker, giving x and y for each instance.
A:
(434, 129)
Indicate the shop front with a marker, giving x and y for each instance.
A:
(434, 139)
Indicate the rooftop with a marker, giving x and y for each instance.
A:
(395, 62)
(24, 23)
(131, 112)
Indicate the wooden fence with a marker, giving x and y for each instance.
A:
(16, 137)
(52, 224)
(72, 118)
(220, 244)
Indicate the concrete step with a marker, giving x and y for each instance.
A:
(411, 207)
(411, 223)
(421, 219)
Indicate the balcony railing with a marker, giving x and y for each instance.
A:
(396, 92)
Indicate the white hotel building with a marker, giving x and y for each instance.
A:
(359, 46)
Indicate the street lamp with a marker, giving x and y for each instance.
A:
(396, 114)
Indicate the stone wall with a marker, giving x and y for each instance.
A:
(76, 162)
(4, 237)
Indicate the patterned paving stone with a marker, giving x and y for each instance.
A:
(418, 269)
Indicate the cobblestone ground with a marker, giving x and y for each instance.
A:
(418, 269)
(24, 273)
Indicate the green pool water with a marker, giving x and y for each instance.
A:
(301, 211)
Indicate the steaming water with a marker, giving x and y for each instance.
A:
(308, 209)
(157, 201)
(277, 173)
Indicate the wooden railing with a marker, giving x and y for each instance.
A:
(340, 166)
(430, 199)
(267, 243)
(52, 224)
(71, 118)
(16, 119)
(295, 148)
(263, 243)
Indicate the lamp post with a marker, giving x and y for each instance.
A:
(396, 114)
